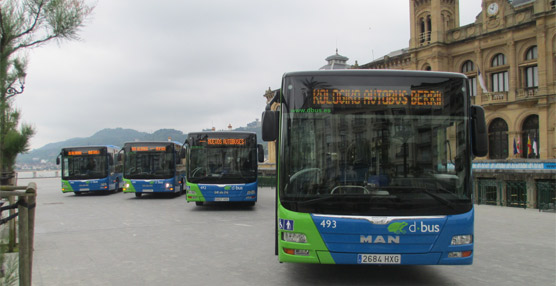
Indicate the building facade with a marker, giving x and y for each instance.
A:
(509, 56)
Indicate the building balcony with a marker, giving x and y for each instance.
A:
(527, 92)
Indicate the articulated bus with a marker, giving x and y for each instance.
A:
(153, 167)
(222, 167)
(90, 169)
(374, 167)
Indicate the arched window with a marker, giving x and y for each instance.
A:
(531, 71)
(467, 68)
(425, 30)
(530, 137)
(498, 139)
(500, 79)
(498, 60)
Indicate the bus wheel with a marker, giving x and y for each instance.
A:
(77, 193)
(198, 203)
(138, 195)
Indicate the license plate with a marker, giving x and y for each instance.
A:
(221, 199)
(84, 190)
(147, 190)
(379, 259)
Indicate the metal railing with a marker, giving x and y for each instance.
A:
(25, 205)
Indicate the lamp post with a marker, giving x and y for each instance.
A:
(12, 91)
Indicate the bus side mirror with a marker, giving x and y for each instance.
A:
(260, 153)
(270, 125)
(110, 160)
(479, 135)
(58, 160)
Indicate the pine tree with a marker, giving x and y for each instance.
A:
(26, 24)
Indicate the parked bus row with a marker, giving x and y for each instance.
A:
(373, 167)
(208, 167)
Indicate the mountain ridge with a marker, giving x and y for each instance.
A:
(45, 157)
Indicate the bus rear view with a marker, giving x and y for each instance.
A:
(374, 167)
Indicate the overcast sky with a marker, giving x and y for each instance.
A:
(190, 65)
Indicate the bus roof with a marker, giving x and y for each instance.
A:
(222, 132)
(377, 73)
(91, 146)
(152, 142)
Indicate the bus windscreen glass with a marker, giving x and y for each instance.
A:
(225, 160)
(374, 146)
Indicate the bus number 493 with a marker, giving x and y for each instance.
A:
(328, 223)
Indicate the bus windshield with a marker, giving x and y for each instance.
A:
(222, 160)
(374, 146)
(149, 165)
(84, 167)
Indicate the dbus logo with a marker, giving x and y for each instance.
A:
(399, 227)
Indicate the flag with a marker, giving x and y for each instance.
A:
(518, 146)
(535, 150)
(515, 147)
(481, 80)
(529, 147)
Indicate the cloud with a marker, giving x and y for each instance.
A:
(194, 64)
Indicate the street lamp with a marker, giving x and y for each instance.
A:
(12, 91)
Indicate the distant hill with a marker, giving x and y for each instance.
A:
(45, 157)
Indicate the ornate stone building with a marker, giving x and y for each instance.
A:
(509, 55)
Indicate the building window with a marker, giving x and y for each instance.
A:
(468, 68)
(530, 137)
(500, 79)
(531, 71)
(425, 32)
(498, 139)
(500, 82)
(498, 60)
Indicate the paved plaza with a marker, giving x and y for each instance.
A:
(118, 239)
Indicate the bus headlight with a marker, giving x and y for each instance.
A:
(462, 239)
(294, 237)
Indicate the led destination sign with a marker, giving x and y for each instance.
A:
(226, 141)
(78, 153)
(377, 97)
(148, 148)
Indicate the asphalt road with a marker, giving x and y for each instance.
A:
(118, 239)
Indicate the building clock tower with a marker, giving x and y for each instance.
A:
(430, 20)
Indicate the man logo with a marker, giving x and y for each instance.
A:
(379, 239)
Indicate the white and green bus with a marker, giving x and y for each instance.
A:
(374, 167)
